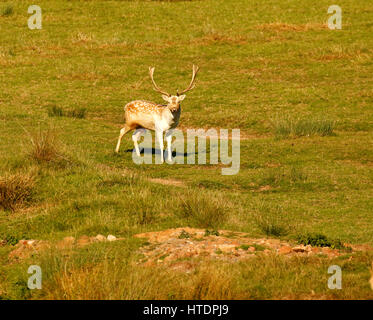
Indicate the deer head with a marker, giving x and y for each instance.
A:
(174, 100)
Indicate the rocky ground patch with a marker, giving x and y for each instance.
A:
(177, 246)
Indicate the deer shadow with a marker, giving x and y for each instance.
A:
(158, 151)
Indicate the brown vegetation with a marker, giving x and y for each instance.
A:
(15, 190)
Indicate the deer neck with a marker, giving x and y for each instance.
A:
(170, 116)
(174, 107)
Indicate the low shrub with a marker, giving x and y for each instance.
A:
(319, 240)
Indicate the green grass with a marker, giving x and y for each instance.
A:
(301, 95)
(78, 113)
(303, 127)
(7, 10)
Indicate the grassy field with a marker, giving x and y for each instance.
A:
(301, 95)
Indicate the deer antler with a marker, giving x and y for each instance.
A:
(192, 84)
(156, 88)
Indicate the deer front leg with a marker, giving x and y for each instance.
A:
(136, 137)
(169, 141)
(159, 136)
(123, 131)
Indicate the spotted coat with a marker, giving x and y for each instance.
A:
(152, 116)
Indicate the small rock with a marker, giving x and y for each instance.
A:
(227, 247)
(251, 249)
(69, 239)
(83, 240)
(300, 249)
(315, 250)
(66, 242)
(110, 237)
(326, 250)
(285, 250)
(169, 257)
(265, 188)
(100, 237)
(30, 242)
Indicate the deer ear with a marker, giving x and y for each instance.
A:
(165, 98)
(181, 98)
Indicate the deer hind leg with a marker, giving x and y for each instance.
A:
(136, 137)
(123, 131)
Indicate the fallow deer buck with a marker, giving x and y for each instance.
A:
(141, 115)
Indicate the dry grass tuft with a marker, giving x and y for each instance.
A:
(78, 113)
(108, 280)
(286, 126)
(272, 220)
(203, 210)
(211, 283)
(129, 281)
(44, 146)
(116, 274)
(272, 224)
(15, 190)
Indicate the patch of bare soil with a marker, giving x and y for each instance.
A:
(167, 182)
(215, 37)
(127, 172)
(174, 245)
(265, 188)
(280, 27)
(356, 163)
